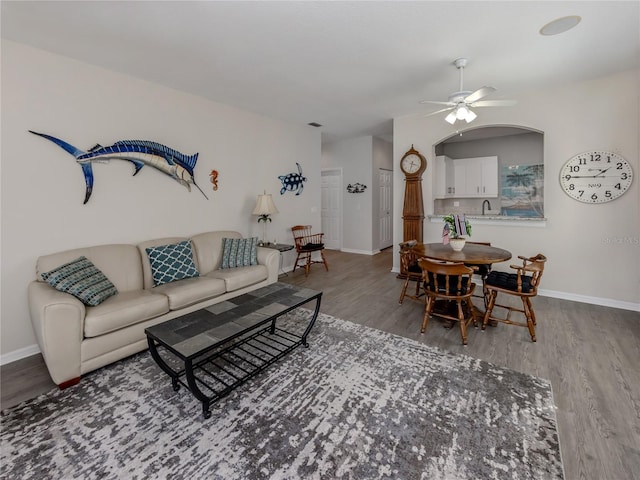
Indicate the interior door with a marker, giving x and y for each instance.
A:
(331, 210)
(385, 208)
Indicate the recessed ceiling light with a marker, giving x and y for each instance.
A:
(560, 25)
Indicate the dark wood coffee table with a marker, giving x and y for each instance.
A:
(214, 350)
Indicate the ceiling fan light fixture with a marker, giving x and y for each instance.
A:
(451, 118)
(471, 117)
(461, 112)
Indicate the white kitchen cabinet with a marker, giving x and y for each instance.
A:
(489, 175)
(443, 177)
(475, 177)
(459, 179)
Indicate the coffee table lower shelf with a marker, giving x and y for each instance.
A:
(214, 371)
(212, 377)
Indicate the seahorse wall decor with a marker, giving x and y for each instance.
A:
(292, 181)
(140, 153)
(214, 179)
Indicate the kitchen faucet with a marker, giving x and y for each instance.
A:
(488, 205)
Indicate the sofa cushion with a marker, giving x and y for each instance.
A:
(239, 252)
(241, 277)
(120, 263)
(171, 262)
(147, 281)
(508, 281)
(191, 290)
(207, 248)
(126, 308)
(83, 280)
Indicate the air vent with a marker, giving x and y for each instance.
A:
(314, 124)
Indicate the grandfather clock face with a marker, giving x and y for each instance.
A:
(413, 165)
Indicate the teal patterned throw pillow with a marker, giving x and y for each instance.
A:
(171, 262)
(239, 252)
(83, 280)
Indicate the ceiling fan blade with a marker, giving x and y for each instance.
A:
(478, 94)
(439, 111)
(451, 104)
(494, 103)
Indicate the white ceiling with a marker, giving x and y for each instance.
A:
(350, 66)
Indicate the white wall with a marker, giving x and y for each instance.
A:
(359, 159)
(355, 157)
(43, 187)
(593, 250)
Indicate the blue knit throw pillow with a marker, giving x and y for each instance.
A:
(171, 262)
(83, 280)
(239, 252)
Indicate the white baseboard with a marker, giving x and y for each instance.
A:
(19, 354)
(605, 302)
(574, 297)
(361, 252)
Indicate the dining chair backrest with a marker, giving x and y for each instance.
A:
(449, 282)
(535, 267)
(447, 279)
(410, 269)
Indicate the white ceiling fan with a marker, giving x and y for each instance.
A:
(460, 102)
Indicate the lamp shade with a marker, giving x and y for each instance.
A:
(265, 205)
(461, 112)
(470, 117)
(451, 118)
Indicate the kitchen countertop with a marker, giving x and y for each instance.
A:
(494, 219)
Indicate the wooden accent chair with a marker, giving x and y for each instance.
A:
(306, 243)
(410, 269)
(452, 283)
(524, 284)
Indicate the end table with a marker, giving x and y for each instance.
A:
(281, 247)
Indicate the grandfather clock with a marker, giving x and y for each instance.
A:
(413, 165)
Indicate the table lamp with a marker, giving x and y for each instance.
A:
(264, 208)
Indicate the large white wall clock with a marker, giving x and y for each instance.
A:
(596, 176)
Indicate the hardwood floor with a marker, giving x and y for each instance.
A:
(590, 354)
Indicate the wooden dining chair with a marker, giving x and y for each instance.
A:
(524, 284)
(451, 283)
(410, 269)
(306, 244)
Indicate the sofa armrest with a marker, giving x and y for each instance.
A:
(58, 322)
(271, 259)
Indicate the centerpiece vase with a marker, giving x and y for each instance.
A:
(457, 244)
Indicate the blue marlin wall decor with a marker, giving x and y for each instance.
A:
(292, 181)
(140, 153)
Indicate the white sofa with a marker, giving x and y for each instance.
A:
(75, 339)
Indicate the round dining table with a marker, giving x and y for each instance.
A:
(471, 254)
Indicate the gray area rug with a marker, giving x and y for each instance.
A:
(357, 404)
